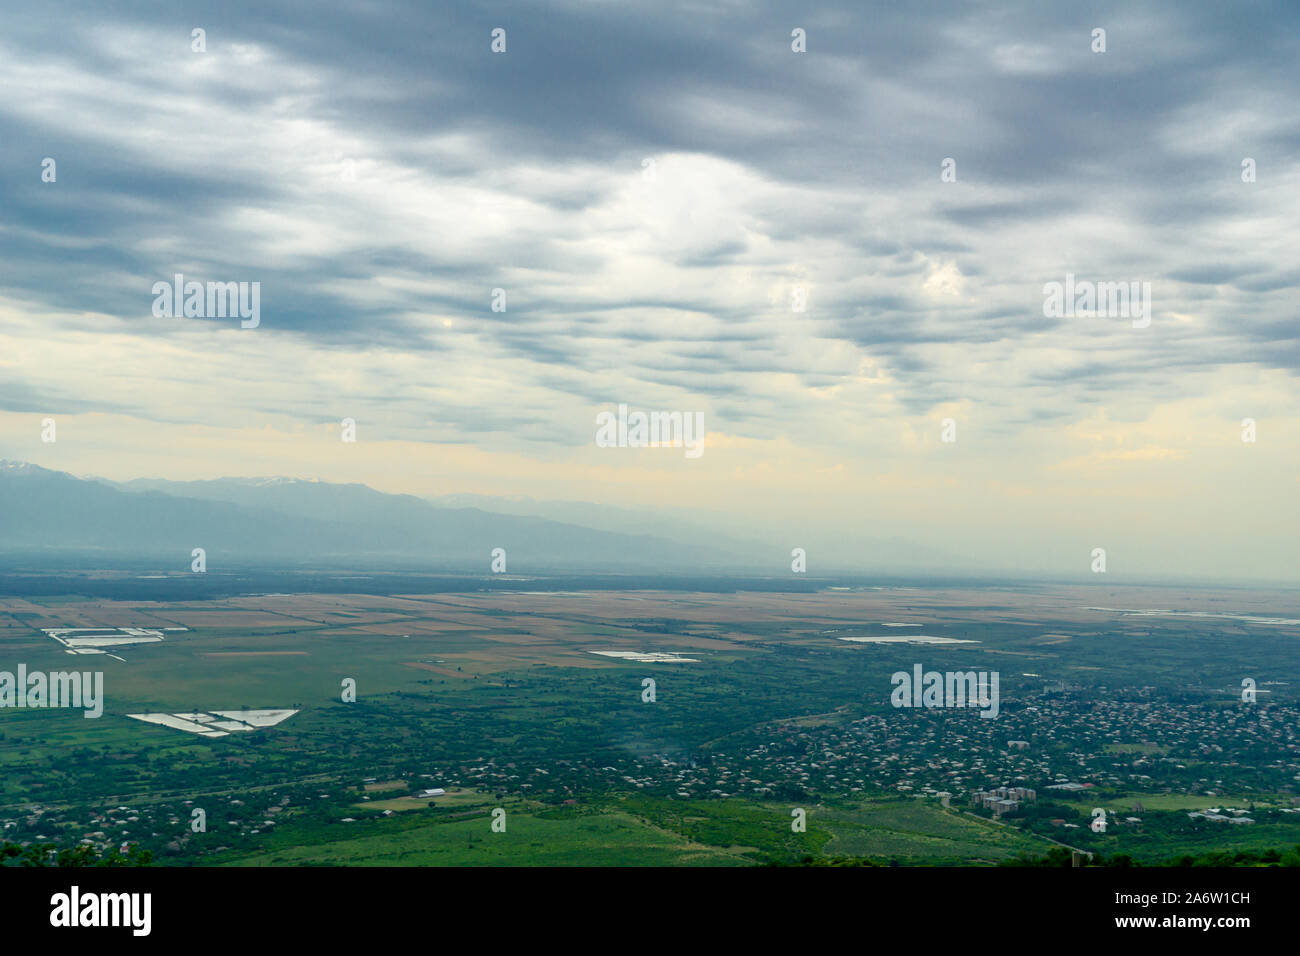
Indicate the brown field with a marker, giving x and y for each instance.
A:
(243, 619)
(493, 631)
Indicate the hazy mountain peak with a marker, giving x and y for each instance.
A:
(271, 481)
(12, 466)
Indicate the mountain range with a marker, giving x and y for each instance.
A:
(303, 521)
(307, 522)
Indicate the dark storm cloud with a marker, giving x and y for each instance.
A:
(1105, 165)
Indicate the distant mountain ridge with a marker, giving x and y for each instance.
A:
(304, 520)
(309, 521)
(765, 549)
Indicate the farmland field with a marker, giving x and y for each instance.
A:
(749, 710)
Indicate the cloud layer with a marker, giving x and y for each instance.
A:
(652, 186)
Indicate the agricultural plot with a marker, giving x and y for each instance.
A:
(763, 703)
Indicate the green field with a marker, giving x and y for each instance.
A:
(498, 699)
(638, 831)
(530, 838)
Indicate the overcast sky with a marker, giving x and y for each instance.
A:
(380, 170)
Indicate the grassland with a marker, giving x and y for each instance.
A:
(498, 697)
(532, 837)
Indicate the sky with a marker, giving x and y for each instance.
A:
(836, 256)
